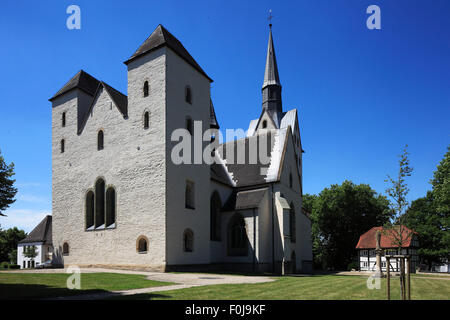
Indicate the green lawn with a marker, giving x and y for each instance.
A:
(310, 288)
(42, 285)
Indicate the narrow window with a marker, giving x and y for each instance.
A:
(145, 89)
(146, 120)
(188, 240)
(89, 210)
(264, 124)
(188, 95)
(292, 224)
(100, 140)
(189, 195)
(100, 203)
(215, 207)
(189, 126)
(237, 236)
(65, 249)
(142, 244)
(63, 120)
(62, 145)
(110, 207)
(290, 180)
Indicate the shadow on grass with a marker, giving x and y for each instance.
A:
(39, 291)
(141, 296)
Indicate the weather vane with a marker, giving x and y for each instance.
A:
(270, 18)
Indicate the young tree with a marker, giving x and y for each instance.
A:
(7, 190)
(398, 191)
(30, 252)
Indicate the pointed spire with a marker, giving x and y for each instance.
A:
(271, 76)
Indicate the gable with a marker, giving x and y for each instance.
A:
(105, 99)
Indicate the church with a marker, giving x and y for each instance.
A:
(120, 201)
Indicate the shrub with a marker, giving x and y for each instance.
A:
(14, 266)
(352, 265)
(4, 265)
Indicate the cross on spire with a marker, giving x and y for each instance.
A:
(270, 18)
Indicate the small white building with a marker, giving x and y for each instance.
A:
(41, 238)
(367, 244)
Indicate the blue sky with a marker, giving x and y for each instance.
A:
(361, 94)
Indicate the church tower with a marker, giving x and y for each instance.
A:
(271, 89)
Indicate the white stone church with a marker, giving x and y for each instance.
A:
(120, 201)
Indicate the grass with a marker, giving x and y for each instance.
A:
(47, 285)
(326, 287)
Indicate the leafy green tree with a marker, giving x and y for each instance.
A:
(308, 201)
(340, 214)
(423, 218)
(7, 190)
(8, 241)
(441, 195)
(13, 256)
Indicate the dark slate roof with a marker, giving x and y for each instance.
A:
(219, 173)
(271, 76)
(83, 81)
(246, 174)
(212, 115)
(119, 99)
(41, 233)
(161, 37)
(240, 200)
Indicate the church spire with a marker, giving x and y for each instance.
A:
(271, 89)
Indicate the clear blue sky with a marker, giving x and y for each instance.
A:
(361, 94)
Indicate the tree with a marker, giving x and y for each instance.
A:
(7, 190)
(441, 196)
(398, 191)
(30, 252)
(8, 241)
(308, 201)
(13, 256)
(340, 214)
(423, 218)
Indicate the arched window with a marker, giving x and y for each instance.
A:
(189, 126)
(188, 94)
(65, 249)
(146, 120)
(89, 210)
(264, 124)
(188, 240)
(237, 236)
(142, 244)
(215, 207)
(145, 89)
(62, 145)
(63, 120)
(189, 199)
(292, 229)
(100, 140)
(100, 203)
(110, 207)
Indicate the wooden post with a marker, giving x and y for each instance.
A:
(408, 276)
(388, 265)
